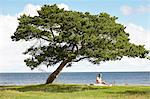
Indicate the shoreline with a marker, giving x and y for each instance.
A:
(80, 72)
(72, 84)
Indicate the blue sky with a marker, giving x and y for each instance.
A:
(112, 7)
(135, 14)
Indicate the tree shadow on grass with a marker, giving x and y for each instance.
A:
(132, 92)
(54, 88)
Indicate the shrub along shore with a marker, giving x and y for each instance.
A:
(74, 91)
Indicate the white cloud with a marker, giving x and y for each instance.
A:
(66, 7)
(30, 9)
(11, 57)
(127, 64)
(138, 34)
(127, 10)
(8, 24)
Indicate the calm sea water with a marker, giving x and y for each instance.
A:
(118, 78)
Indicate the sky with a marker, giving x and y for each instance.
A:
(134, 14)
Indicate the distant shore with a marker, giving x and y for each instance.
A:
(76, 84)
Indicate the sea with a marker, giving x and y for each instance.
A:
(115, 78)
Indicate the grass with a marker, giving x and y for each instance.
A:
(70, 91)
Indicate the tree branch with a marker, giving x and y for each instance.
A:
(52, 32)
(44, 39)
(77, 60)
(73, 47)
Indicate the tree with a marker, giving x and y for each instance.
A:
(71, 36)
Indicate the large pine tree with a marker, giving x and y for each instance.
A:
(72, 36)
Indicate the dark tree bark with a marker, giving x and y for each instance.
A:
(53, 75)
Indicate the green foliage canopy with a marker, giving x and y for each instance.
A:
(74, 36)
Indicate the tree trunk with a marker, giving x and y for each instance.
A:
(53, 75)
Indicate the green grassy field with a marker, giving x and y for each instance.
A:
(59, 91)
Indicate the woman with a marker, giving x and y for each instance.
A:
(99, 79)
